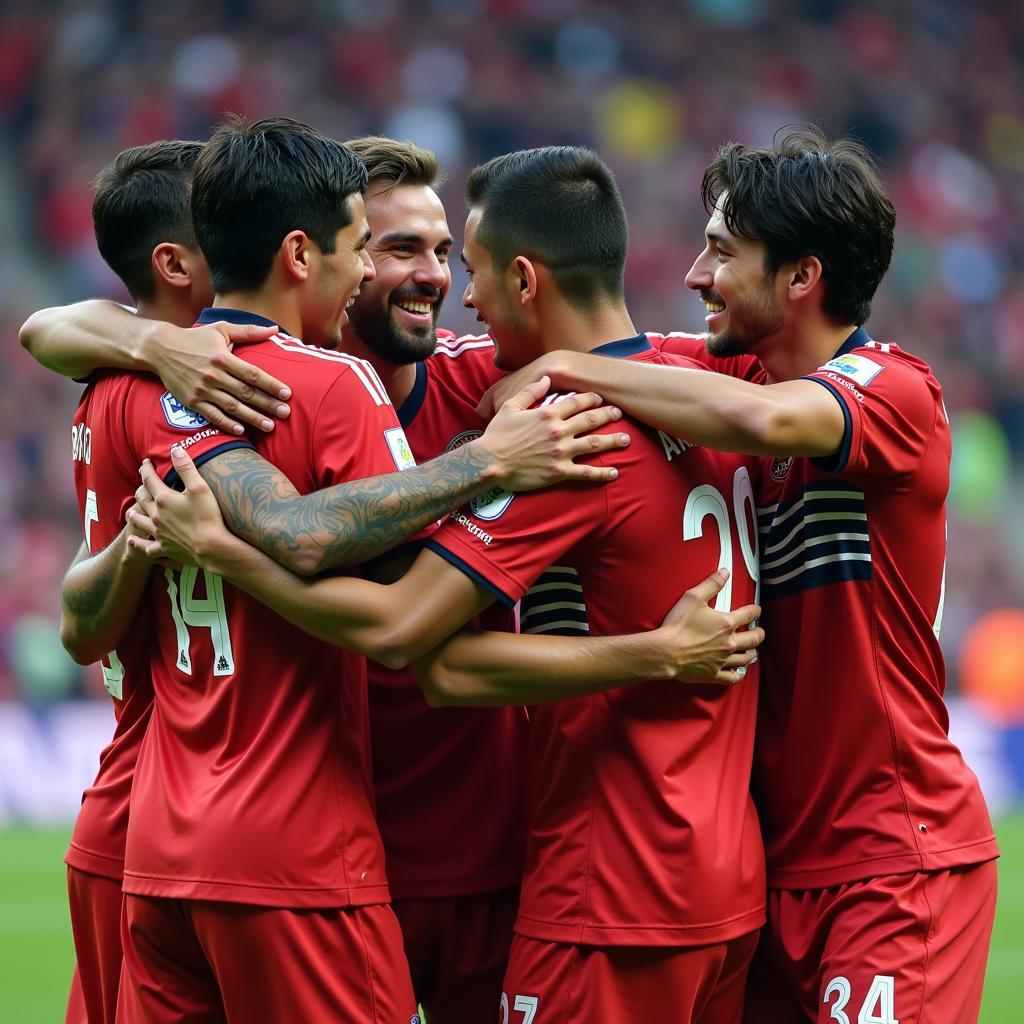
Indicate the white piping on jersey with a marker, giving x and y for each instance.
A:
(457, 346)
(538, 587)
(362, 369)
(805, 544)
(849, 556)
(882, 346)
(548, 627)
(820, 517)
(539, 609)
(807, 496)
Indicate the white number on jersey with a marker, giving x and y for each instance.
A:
(706, 500)
(526, 1005)
(203, 613)
(113, 670)
(881, 997)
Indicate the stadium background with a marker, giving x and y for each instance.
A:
(933, 88)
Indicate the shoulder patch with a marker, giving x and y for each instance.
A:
(398, 444)
(858, 368)
(491, 505)
(178, 415)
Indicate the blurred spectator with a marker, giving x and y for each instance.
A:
(655, 85)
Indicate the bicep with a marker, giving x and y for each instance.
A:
(807, 418)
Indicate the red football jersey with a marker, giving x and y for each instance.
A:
(641, 830)
(106, 476)
(253, 782)
(448, 781)
(855, 774)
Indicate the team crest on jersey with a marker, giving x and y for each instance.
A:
(179, 415)
(859, 369)
(780, 468)
(464, 438)
(398, 444)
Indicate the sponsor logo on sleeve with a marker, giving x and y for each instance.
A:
(398, 445)
(859, 369)
(491, 505)
(178, 415)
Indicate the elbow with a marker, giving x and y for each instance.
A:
(29, 333)
(76, 643)
(306, 560)
(438, 686)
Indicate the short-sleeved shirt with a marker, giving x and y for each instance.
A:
(641, 830)
(253, 783)
(855, 775)
(106, 472)
(448, 781)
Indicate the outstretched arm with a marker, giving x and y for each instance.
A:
(695, 643)
(195, 364)
(797, 417)
(99, 597)
(395, 625)
(350, 523)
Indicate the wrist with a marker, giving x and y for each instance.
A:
(223, 554)
(148, 346)
(488, 466)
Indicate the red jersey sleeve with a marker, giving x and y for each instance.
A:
(505, 541)
(892, 405)
(356, 433)
(161, 421)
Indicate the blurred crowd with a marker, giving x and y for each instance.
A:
(933, 88)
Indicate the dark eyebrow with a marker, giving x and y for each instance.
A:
(365, 239)
(714, 236)
(398, 237)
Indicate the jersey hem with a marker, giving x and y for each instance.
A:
(904, 864)
(584, 934)
(94, 863)
(255, 895)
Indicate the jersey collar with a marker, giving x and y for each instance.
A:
(212, 314)
(624, 347)
(858, 339)
(411, 406)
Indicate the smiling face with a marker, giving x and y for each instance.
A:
(395, 315)
(335, 279)
(492, 294)
(740, 295)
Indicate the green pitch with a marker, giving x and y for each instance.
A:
(35, 936)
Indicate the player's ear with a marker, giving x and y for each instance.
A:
(296, 255)
(172, 264)
(526, 278)
(803, 277)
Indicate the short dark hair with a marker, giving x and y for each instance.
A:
(807, 196)
(256, 182)
(561, 206)
(141, 199)
(396, 163)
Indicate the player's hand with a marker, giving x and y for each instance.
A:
(705, 645)
(197, 367)
(134, 518)
(550, 365)
(183, 526)
(533, 448)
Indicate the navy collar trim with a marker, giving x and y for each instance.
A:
(624, 347)
(212, 314)
(858, 339)
(411, 406)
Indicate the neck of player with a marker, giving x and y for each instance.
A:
(563, 326)
(801, 347)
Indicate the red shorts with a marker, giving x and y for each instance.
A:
(457, 947)
(569, 984)
(189, 960)
(95, 905)
(907, 948)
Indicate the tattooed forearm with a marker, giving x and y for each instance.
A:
(342, 525)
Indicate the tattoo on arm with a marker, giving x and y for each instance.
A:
(342, 525)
